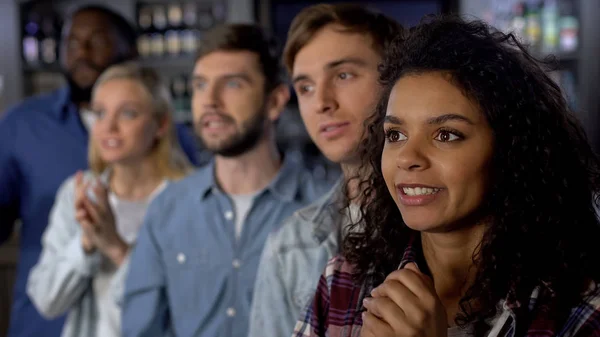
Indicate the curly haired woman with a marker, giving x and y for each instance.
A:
(479, 217)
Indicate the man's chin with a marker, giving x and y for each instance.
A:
(84, 84)
(81, 91)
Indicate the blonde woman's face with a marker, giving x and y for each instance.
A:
(125, 129)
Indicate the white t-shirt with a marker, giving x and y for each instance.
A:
(87, 118)
(242, 203)
(129, 216)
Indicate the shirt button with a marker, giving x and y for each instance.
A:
(231, 312)
(229, 215)
(181, 258)
(236, 263)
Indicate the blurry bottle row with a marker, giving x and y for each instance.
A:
(547, 26)
(41, 36)
(174, 29)
(165, 29)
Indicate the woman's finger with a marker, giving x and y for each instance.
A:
(373, 326)
(94, 214)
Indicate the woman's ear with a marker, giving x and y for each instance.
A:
(163, 127)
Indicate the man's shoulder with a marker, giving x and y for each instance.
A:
(310, 186)
(297, 230)
(297, 226)
(316, 187)
(31, 106)
(180, 191)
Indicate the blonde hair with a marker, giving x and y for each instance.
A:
(170, 159)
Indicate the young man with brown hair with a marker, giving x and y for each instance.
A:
(192, 270)
(332, 54)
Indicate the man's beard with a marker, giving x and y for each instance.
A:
(78, 94)
(241, 142)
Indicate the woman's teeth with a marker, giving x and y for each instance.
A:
(419, 190)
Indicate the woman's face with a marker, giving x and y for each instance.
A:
(437, 152)
(125, 129)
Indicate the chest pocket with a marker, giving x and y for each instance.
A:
(188, 278)
(178, 259)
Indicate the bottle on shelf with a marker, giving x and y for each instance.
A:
(190, 15)
(569, 27)
(173, 42)
(49, 40)
(190, 40)
(518, 22)
(145, 18)
(159, 22)
(569, 31)
(144, 42)
(175, 16)
(550, 26)
(31, 45)
(533, 31)
(159, 17)
(172, 36)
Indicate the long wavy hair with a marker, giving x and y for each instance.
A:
(544, 180)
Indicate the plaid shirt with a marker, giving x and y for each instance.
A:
(337, 306)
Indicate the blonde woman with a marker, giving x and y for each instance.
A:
(133, 154)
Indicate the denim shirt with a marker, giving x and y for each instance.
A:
(188, 275)
(292, 262)
(42, 142)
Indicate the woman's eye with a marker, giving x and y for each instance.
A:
(447, 136)
(345, 76)
(394, 136)
(305, 88)
(98, 113)
(129, 114)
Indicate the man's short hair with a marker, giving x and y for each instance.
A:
(352, 18)
(246, 37)
(124, 30)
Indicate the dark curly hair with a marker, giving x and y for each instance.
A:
(544, 180)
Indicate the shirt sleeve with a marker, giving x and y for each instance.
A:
(188, 143)
(63, 271)
(145, 305)
(9, 181)
(272, 314)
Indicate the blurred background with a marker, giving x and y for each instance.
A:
(169, 32)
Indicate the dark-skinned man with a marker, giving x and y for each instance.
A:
(44, 140)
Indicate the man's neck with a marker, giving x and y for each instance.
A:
(250, 172)
(135, 181)
(82, 106)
